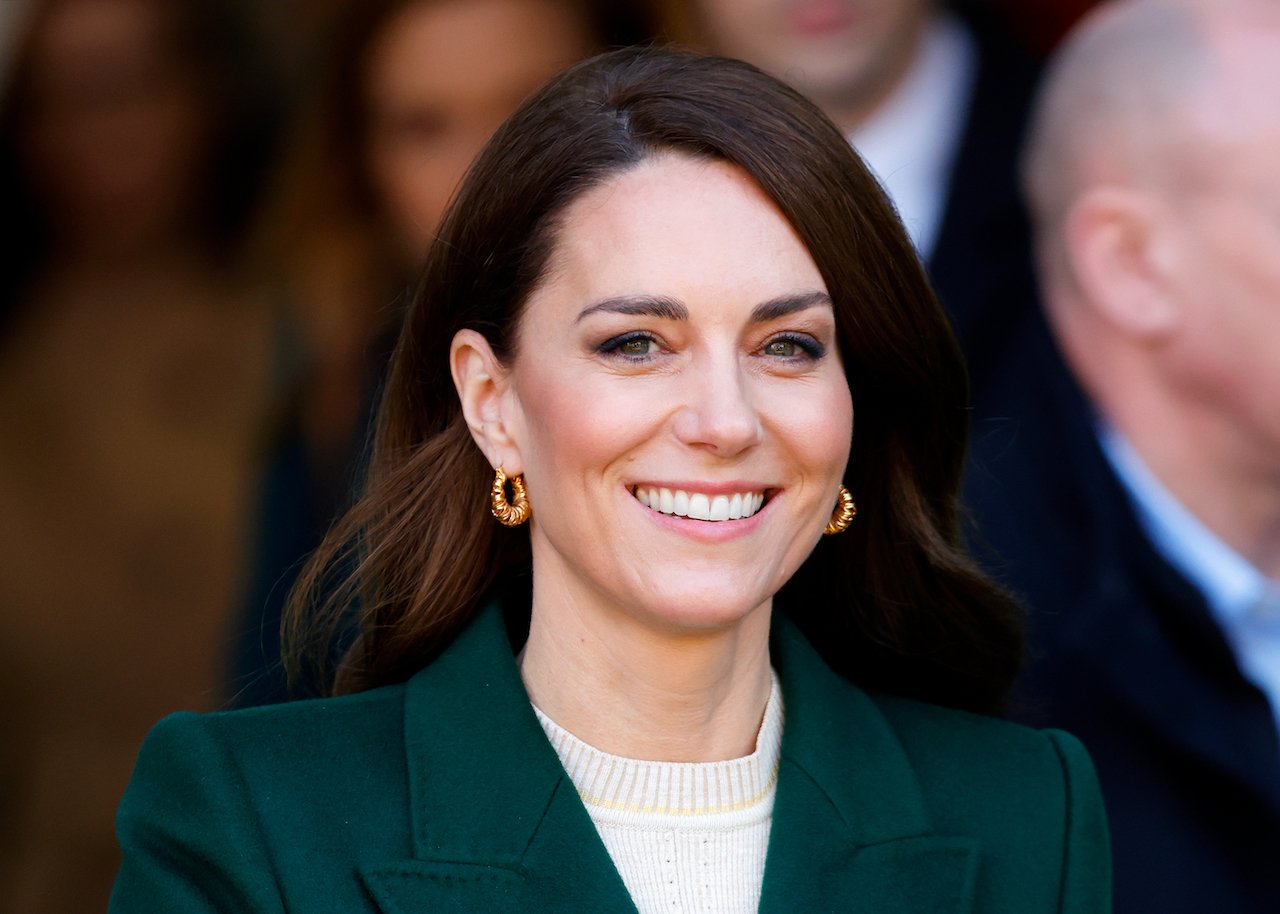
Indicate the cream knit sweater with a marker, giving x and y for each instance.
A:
(685, 836)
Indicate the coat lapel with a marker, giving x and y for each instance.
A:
(851, 830)
(496, 825)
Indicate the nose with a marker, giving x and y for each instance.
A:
(718, 414)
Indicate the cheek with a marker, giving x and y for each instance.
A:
(574, 428)
(1226, 286)
(815, 422)
(413, 187)
(1235, 288)
(735, 24)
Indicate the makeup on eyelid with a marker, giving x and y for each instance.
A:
(807, 346)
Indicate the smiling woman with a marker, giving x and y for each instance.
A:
(664, 299)
(721, 381)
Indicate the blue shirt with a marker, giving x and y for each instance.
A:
(1245, 603)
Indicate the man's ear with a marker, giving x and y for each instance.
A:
(483, 385)
(1119, 249)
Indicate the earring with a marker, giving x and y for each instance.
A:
(509, 513)
(843, 515)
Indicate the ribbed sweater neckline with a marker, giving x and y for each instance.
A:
(612, 786)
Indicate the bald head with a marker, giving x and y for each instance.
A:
(1137, 96)
(1113, 103)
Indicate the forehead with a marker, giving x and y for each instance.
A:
(1239, 105)
(98, 28)
(679, 226)
(428, 49)
(1222, 140)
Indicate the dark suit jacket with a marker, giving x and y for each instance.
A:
(981, 264)
(1125, 653)
(443, 794)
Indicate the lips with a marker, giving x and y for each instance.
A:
(699, 505)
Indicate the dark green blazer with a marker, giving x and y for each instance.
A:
(443, 794)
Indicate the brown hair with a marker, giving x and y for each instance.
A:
(894, 604)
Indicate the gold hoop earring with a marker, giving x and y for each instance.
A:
(509, 513)
(843, 515)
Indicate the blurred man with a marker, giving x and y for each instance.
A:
(1127, 454)
(936, 104)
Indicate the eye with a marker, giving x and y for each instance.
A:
(636, 346)
(793, 346)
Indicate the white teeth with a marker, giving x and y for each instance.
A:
(699, 506)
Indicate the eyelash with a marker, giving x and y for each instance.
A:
(613, 345)
(810, 348)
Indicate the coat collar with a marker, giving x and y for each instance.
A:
(851, 827)
(497, 825)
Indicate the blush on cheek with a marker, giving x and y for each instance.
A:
(575, 426)
(823, 426)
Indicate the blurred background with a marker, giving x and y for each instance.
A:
(212, 212)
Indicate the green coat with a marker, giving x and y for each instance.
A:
(443, 794)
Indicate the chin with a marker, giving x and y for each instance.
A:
(694, 612)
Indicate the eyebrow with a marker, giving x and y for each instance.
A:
(783, 305)
(667, 308)
(646, 305)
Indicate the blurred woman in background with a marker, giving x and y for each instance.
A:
(134, 385)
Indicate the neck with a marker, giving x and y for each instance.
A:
(1193, 443)
(1203, 459)
(630, 690)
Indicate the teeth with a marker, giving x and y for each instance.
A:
(699, 506)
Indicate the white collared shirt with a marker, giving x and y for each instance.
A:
(911, 140)
(1244, 602)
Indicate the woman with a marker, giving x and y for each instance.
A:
(665, 290)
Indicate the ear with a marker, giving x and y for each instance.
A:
(483, 385)
(1119, 250)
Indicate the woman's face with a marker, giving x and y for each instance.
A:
(677, 399)
(442, 75)
(115, 128)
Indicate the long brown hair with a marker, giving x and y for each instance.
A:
(894, 604)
